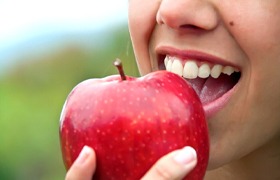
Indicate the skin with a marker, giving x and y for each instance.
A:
(245, 133)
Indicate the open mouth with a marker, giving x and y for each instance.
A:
(210, 81)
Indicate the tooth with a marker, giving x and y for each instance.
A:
(204, 71)
(166, 61)
(169, 65)
(228, 70)
(236, 70)
(177, 67)
(190, 70)
(216, 70)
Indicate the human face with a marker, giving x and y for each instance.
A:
(236, 33)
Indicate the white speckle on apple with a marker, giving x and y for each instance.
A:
(134, 122)
(72, 116)
(137, 165)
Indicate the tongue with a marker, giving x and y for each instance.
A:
(211, 89)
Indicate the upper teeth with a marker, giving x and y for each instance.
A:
(191, 70)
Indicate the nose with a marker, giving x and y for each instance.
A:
(187, 14)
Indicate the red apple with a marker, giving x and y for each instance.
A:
(132, 122)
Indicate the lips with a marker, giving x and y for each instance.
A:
(213, 79)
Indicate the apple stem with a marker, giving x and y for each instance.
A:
(118, 64)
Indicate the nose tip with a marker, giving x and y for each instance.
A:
(187, 14)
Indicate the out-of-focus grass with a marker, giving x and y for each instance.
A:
(31, 97)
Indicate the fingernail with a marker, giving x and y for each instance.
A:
(84, 154)
(185, 155)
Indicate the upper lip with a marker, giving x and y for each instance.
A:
(190, 54)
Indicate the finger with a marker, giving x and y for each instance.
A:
(84, 166)
(175, 165)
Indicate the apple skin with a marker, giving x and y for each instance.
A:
(132, 123)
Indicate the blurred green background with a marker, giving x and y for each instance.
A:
(34, 87)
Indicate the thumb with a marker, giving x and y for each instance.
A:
(84, 166)
(175, 165)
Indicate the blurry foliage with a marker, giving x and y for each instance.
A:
(32, 94)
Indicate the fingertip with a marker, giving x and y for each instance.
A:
(175, 165)
(84, 166)
(84, 155)
(186, 156)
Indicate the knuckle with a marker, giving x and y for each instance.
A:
(70, 175)
(67, 177)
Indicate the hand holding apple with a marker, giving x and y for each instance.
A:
(132, 122)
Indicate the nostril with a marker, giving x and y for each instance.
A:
(189, 26)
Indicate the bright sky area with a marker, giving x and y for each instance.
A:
(24, 19)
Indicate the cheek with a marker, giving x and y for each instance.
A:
(256, 26)
(142, 20)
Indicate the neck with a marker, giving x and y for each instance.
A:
(264, 163)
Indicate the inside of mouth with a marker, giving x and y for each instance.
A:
(210, 89)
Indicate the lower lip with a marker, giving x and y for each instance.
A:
(213, 107)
